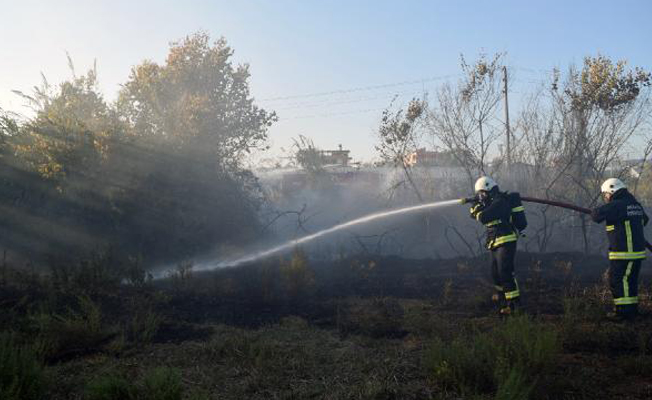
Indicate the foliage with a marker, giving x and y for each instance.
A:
(399, 137)
(143, 324)
(72, 130)
(84, 174)
(198, 99)
(307, 156)
(22, 375)
(508, 360)
(8, 127)
(110, 387)
(605, 85)
(78, 329)
(162, 383)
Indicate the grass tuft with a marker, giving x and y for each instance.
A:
(507, 361)
(22, 375)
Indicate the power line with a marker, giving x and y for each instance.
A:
(360, 89)
(328, 102)
(325, 115)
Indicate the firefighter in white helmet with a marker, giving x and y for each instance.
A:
(624, 218)
(504, 217)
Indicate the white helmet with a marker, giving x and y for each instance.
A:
(612, 185)
(485, 183)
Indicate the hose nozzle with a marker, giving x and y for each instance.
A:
(465, 200)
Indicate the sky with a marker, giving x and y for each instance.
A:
(328, 68)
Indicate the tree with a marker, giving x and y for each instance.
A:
(198, 99)
(191, 123)
(399, 137)
(572, 135)
(71, 131)
(8, 127)
(599, 108)
(159, 174)
(308, 156)
(461, 115)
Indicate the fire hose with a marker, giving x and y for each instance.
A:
(554, 204)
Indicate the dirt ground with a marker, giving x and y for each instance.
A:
(362, 328)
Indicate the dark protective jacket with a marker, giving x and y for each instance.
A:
(496, 217)
(625, 219)
(517, 217)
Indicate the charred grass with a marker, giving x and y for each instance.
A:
(353, 328)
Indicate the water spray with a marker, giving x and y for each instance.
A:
(292, 243)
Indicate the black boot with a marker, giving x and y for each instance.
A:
(626, 313)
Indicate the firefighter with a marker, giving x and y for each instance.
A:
(504, 217)
(624, 218)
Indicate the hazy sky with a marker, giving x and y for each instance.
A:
(361, 52)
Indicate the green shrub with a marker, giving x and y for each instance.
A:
(582, 307)
(158, 384)
(162, 384)
(515, 386)
(110, 387)
(507, 360)
(79, 328)
(527, 345)
(21, 373)
(143, 325)
(466, 365)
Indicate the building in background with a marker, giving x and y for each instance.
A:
(338, 157)
(426, 158)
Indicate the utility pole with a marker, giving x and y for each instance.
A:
(508, 155)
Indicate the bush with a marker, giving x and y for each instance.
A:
(515, 386)
(162, 384)
(158, 384)
(79, 329)
(143, 325)
(528, 345)
(21, 373)
(110, 387)
(508, 360)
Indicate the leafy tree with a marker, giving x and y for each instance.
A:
(197, 99)
(157, 174)
(597, 111)
(399, 138)
(72, 129)
(191, 122)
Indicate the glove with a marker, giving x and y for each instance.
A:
(475, 210)
(595, 216)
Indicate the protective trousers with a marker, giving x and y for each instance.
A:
(623, 279)
(502, 271)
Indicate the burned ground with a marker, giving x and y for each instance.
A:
(352, 327)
